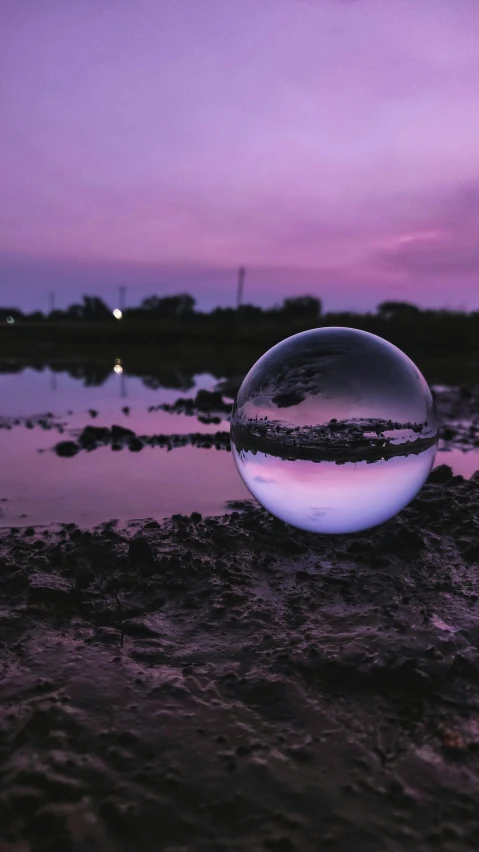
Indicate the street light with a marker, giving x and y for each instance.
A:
(117, 313)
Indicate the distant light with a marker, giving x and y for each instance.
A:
(10, 320)
(117, 313)
(118, 368)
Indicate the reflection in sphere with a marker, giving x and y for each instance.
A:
(334, 430)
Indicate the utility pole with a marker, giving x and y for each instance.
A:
(51, 302)
(240, 287)
(121, 294)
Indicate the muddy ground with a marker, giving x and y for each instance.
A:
(234, 684)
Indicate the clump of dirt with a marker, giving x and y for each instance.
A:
(232, 683)
(47, 422)
(207, 406)
(119, 438)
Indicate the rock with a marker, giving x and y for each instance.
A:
(442, 473)
(448, 433)
(67, 449)
(139, 550)
(210, 401)
(121, 432)
(92, 435)
(48, 587)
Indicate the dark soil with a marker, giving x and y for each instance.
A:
(235, 684)
(119, 437)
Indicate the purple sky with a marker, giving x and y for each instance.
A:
(330, 146)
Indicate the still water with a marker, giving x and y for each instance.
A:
(38, 487)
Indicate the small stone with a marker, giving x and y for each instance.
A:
(66, 449)
(451, 740)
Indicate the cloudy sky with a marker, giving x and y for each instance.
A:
(330, 146)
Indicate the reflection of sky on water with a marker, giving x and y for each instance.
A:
(40, 487)
(34, 392)
(330, 498)
(462, 463)
(94, 487)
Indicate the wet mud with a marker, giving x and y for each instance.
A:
(230, 684)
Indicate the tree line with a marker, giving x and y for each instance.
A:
(427, 332)
(181, 306)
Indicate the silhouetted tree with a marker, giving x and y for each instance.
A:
(250, 312)
(15, 313)
(181, 305)
(75, 311)
(388, 310)
(301, 307)
(95, 308)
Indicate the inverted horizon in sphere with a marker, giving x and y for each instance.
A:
(334, 430)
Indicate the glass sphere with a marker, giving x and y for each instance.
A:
(334, 430)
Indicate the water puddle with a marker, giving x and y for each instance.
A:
(38, 487)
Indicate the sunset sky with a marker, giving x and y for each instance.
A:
(330, 146)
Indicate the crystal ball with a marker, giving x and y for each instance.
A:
(334, 430)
